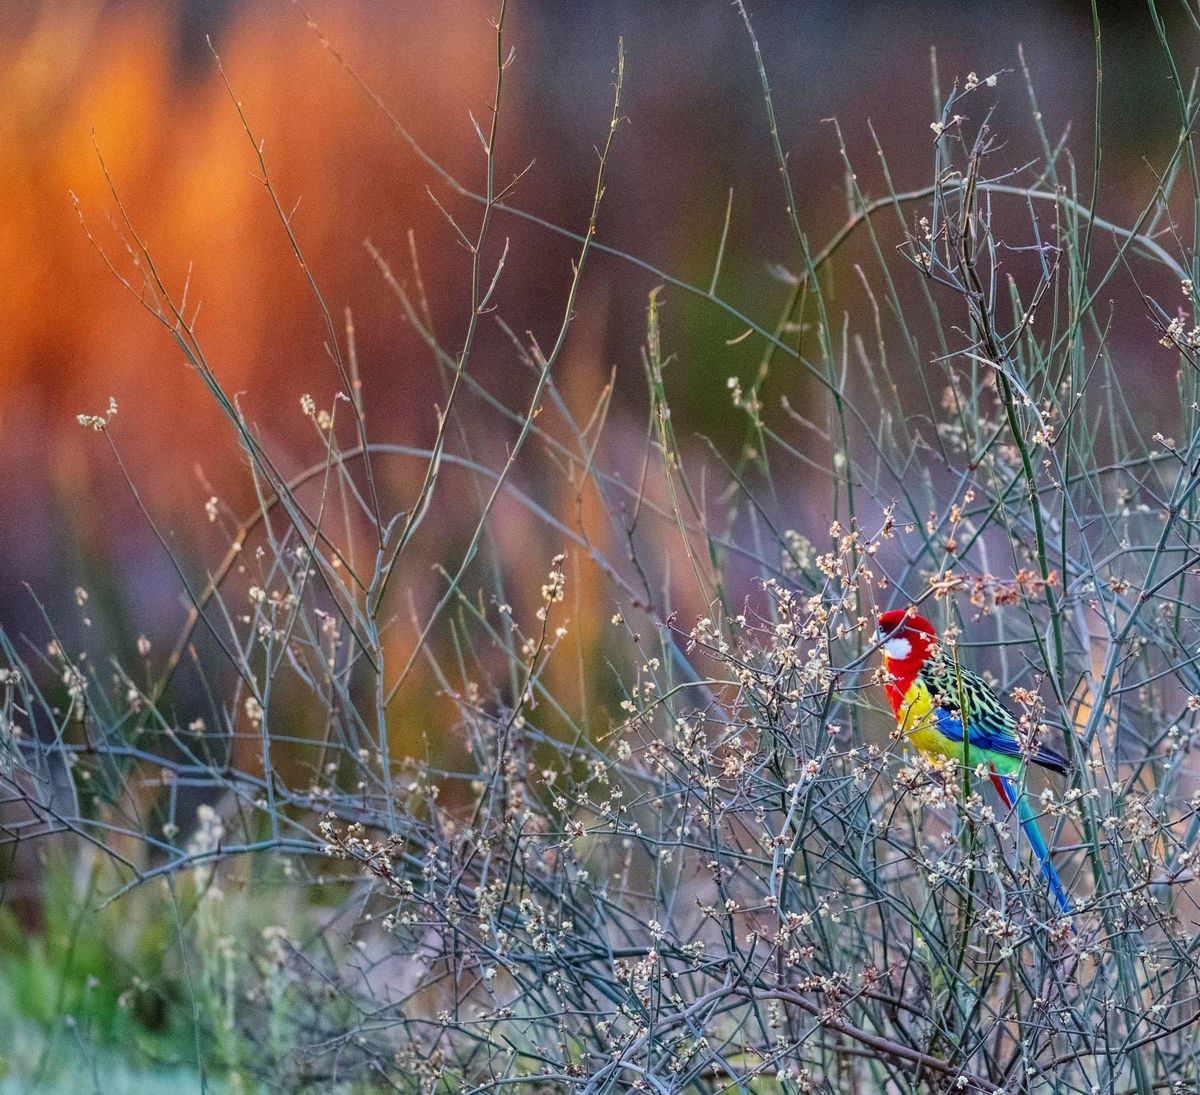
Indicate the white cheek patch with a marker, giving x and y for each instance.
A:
(897, 649)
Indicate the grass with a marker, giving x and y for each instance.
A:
(651, 830)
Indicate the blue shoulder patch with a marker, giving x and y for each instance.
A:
(980, 737)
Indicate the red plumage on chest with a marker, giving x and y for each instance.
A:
(906, 642)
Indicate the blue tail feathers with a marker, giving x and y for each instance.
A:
(1011, 795)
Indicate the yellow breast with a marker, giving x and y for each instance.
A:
(918, 723)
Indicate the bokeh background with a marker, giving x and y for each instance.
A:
(137, 84)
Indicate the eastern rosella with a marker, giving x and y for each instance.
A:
(926, 692)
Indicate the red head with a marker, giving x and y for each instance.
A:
(905, 639)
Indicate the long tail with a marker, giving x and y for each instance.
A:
(1010, 795)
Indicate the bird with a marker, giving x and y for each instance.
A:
(926, 691)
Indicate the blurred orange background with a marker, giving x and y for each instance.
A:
(136, 84)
